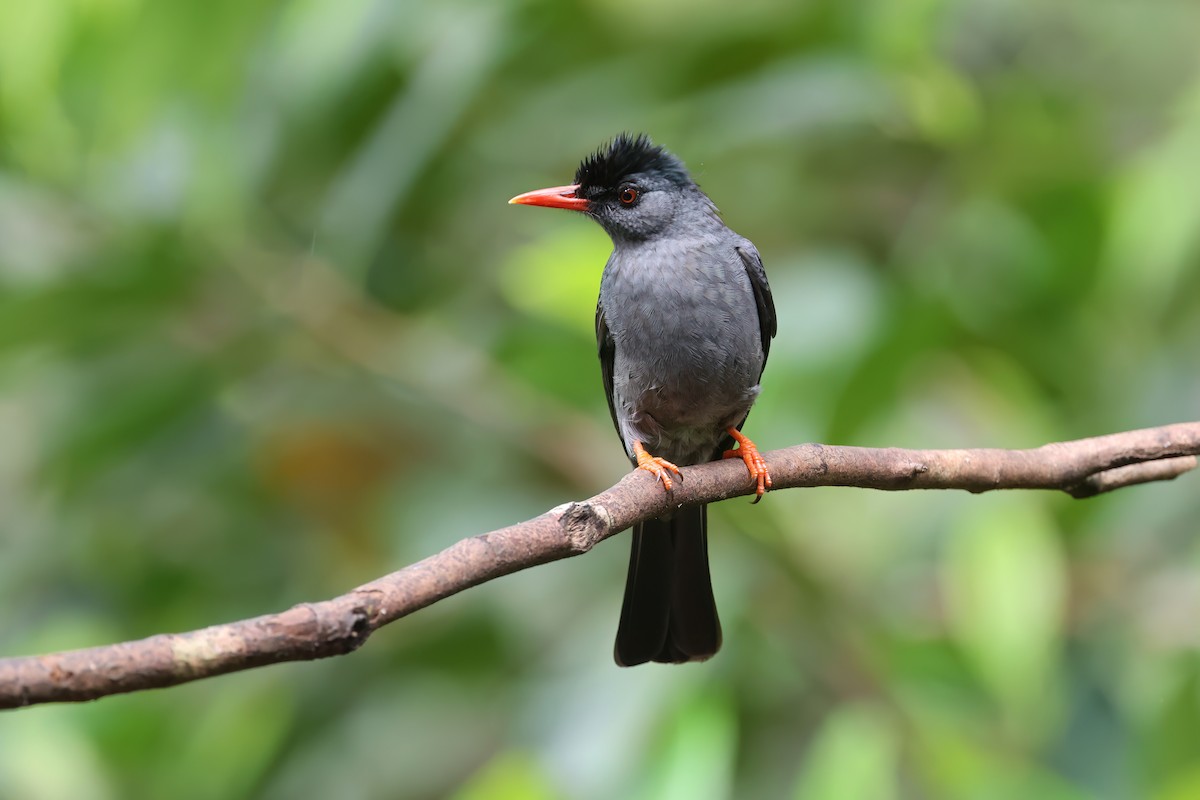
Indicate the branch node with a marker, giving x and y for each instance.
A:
(585, 524)
(1163, 469)
(342, 629)
(360, 629)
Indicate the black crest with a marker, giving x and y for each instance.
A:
(628, 155)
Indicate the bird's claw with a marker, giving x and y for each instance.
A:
(659, 467)
(755, 463)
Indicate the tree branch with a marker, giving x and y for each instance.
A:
(1081, 468)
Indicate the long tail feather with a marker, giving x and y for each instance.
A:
(669, 614)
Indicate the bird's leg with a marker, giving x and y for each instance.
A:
(658, 467)
(748, 452)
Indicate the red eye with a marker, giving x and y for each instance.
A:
(628, 196)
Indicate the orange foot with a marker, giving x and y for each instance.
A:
(757, 465)
(658, 467)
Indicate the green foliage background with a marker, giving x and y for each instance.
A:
(268, 330)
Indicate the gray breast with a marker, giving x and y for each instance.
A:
(688, 349)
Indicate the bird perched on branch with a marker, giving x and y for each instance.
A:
(684, 322)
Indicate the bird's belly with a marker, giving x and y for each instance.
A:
(679, 395)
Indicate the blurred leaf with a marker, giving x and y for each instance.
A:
(48, 756)
(958, 763)
(126, 288)
(1169, 742)
(696, 756)
(557, 276)
(242, 731)
(1005, 588)
(440, 88)
(1185, 786)
(942, 104)
(133, 414)
(1156, 227)
(854, 755)
(508, 776)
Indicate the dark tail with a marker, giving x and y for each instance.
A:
(669, 614)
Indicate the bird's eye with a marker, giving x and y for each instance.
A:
(628, 196)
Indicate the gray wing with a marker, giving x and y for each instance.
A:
(763, 301)
(608, 353)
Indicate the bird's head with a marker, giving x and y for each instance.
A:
(632, 187)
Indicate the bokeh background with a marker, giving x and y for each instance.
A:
(268, 330)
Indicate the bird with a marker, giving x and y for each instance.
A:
(684, 322)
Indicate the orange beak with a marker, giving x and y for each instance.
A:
(554, 197)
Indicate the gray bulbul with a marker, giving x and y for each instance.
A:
(684, 323)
